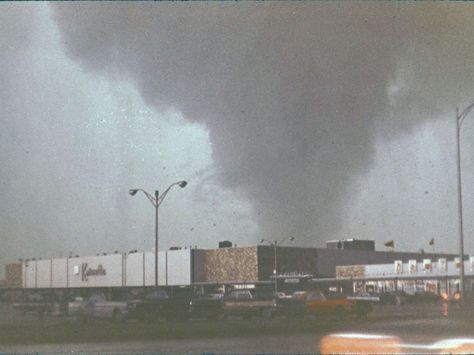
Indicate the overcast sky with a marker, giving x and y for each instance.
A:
(315, 120)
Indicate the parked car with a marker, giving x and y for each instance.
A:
(365, 296)
(423, 297)
(318, 304)
(244, 303)
(157, 304)
(454, 297)
(282, 295)
(402, 297)
(98, 307)
(240, 303)
(207, 306)
(388, 298)
(41, 304)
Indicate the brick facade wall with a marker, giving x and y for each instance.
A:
(226, 265)
(13, 275)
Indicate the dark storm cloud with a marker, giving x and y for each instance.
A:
(292, 93)
(72, 144)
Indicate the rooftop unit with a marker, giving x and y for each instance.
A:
(351, 244)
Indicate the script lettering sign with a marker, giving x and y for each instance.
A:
(87, 271)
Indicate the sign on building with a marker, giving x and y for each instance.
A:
(412, 266)
(457, 262)
(350, 271)
(88, 271)
(427, 265)
(398, 266)
(442, 265)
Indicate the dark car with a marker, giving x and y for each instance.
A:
(42, 304)
(157, 304)
(207, 306)
(401, 297)
(423, 297)
(388, 298)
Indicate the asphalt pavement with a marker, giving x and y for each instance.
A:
(417, 325)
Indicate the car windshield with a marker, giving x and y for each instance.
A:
(157, 295)
(335, 295)
(99, 297)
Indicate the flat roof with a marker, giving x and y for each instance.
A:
(350, 240)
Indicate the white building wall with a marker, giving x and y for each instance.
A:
(59, 271)
(131, 270)
(43, 273)
(150, 268)
(134, 269)
(95, 271)
(30, 274)
(179, 267)
(162, 268)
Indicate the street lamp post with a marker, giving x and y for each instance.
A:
(459, 120)
(156, 202)
(275, 264)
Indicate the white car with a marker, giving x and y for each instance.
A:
(97, 306)
(364, 296)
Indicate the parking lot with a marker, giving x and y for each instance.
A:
(18, 328)
(415, 324)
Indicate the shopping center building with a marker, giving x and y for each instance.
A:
(229, 265)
